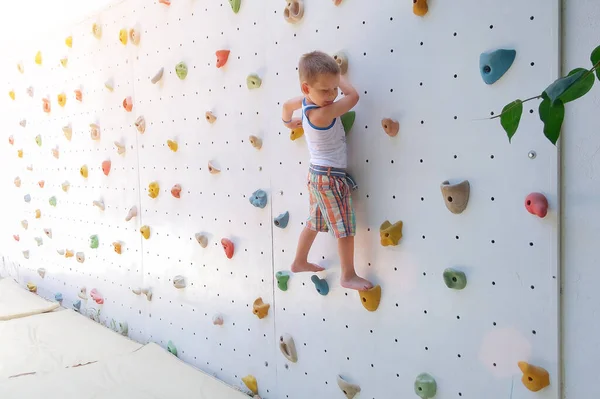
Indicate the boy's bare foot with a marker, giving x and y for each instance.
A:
(356, 283)
(306, 267)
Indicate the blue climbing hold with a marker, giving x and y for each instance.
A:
(320, 284)
(58, 297)
(27, 197)
(281, 221)
(77, 305)
(494, 64)
(259, 199)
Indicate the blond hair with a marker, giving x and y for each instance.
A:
(314, 64)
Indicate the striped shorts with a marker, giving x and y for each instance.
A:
(330, 206)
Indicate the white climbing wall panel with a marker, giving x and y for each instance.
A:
(424, 72)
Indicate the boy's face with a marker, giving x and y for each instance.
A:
(324, 90)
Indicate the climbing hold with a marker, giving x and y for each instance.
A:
(342, 61)
(16, 237)
(11, 140)
(131, 214)
(11, 94)
(17, 181)
(212, 169)
(390, 127)
(20, 153)
(99, 204)
(41, 183)
(370, 298)
(253, 81)
(26, 254)
(425, 386)
(77, 305)
(338, 2)
(65, 186)
(228, 247)
(95, 131)
(390, 234)
(168, 3)
(534, 378)
(140, 124)
(63, 62)
(120, 148)
(235, 5)
(117, 247)
(48, 233)
(494, 64)
(97, 30)
(255, 142)
(80, 256)
(260, 309)
(78, 95)
(68, 132)
(158, 76)
(282, 280)
(350, 390)
(259, 199)
(294, 10)
(348, 120)
(38, 214)
(58, 297)
(69, 41)
(60, 251)
(170, 345)
(38, 140)
(52, 201)
(181, 70)
(420, 7)
(202, 240)
(148, 293)
(23, 122)
(288, 348)
(94, 241)
(134, 36)
(31, 287)
(38, 58)
(210, 117)
(30, 91)
(172, 145)
(179, 281)
(176, 191)
(320, 284)
(27, 198)
(123, 36)
(217, 320)
(84, 171)
(145, 230)
(109, 84)
(69, 253)
(128, 104)
(20, 67)
(222, 56)
(537, 204)
(250, 380)
(281, 221)
(455, 279)
(24, 224)
(46, 105)
(39, 241)
(456, 196)
(29, 167)
(95, 295)
(106, 167)
(153, 189)
(82, 293)
(55, 152)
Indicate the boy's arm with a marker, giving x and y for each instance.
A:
(288, 110)
(324, 115)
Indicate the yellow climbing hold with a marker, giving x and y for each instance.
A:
(69, 41)
(38, 214)
(251, 383)
(390, 234)
(260, 309)
(38, 58)
(172, 145)
(123, 36)
(62, 99)
(31, 287)
(11, 94)
(145, 230)
(153, 189)
(63, 62)
(97, 30)
(20, 153)
(296, 133)
(370, 298)
(84, 171)
(534, 378)
(20, 67)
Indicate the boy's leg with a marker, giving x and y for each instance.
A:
(307, 237)
(349, 277)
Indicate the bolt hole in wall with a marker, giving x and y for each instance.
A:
(218, 184)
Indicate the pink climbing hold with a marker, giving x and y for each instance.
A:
(228, 247)
(16, 237)
(106, 167)
(11, 140)
(95, 295)
(537, 204)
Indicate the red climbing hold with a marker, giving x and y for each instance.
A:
(222, 56)
(128, 104)
(95, 295)
(106, 167)
(16, 237)
(176, 191)
(536, 204)
(228, 247)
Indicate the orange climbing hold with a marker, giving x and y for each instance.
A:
(41, 183)
(534, 378)
(117, 247)
(370, 298)
(78, 95)
(69, 253)
(222, 57)
(176, 191)
(420, 7)
(165, 2)
(228, 247)
(106, 167)
(46, 105)
(260, 309)
(210, 117)
(390, 127)
(128, 104)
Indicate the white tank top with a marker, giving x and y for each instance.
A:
(326, 145)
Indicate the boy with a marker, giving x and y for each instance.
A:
(328, 184)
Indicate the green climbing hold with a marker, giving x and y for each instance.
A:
(235, 5)
(348, 120)
(181, 70)
(94, 241)
(38, 140)
(425, 386)
(253, 82)
(282, 280)
(455, 279)
(171, 348)
(52, 201)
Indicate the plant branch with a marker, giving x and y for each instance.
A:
(523, 102)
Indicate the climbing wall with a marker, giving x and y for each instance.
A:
(421, 71)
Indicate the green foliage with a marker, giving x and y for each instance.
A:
(552, 108)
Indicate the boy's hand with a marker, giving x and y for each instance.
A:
(295, 123)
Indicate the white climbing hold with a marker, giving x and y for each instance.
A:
(137, 291)
(82, 293)
(179, 281)
(202, 240)
(42, 272)
(120, 148)
(350, 390)
(131, 214)
(80, 256)
(148, 292)
(99, 204)
(48, 233)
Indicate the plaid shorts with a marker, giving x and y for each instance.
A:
(330, 206)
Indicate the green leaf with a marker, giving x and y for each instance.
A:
(552, 114)
(595, 58)
(510, 117)
(348, 120)
(571, 87)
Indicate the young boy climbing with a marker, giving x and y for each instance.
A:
(328, 183)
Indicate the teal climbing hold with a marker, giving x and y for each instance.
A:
(282, 280)
(235, 5)
(281, 221)
(52, 201)
(181, 70)
(320, 284)
(494, 64)
(58, 297)
(259, 199)
(425, 386)
(77, 305)
(171, 348)
(455, 279)
(348, 120)
(94, 241)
